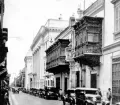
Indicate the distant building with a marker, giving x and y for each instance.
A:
(22, 74)
(28, 70)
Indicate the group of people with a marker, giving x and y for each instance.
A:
(108, 95)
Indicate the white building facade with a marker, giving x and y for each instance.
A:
(108, 73)
(28, 70)
(44, 38)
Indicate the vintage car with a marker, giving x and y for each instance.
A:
(34, 92)
(86, 96)
(51, 92)
(41, 93)
(69, 97)
(15, 90)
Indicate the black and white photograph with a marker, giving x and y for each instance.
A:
(59, 52)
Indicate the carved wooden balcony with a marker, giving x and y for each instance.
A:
(56, 57)
(88, 40)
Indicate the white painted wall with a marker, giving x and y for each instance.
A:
(109, 23)
(105, 77)
(43, 43)
(28, 69)
(88, 77)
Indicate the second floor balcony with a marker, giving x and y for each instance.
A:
(88, 40)
(55, 55)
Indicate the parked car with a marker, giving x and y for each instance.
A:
(69, 97)
(24, 90)
(87, 96)
(15, 90)
(34, 91)
(20, 88)
(41, 93)
(51, 92)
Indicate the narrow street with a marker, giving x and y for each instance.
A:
(26, 99)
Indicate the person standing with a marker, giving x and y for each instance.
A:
(109, 96)
(99, 92)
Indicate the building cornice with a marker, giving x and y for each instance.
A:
(42, 33)
(64, 32)
(109, 47)
(55, 29)
(27, 57)
(114, 1)
(98, 5)
(43, 30)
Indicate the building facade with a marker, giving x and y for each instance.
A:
(106, 74)
(41, 42)
(28, 70)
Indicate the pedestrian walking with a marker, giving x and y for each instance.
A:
(109, 96)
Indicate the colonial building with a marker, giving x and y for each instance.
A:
(61, 71)
(44, 38)
(105, 72)
(56, 63)
(87, 50)
(28, 70)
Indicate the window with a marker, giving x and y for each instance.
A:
(93, 37)
(117, 18)
(48, 82)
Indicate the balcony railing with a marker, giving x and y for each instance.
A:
(56, 54)
(88, 39)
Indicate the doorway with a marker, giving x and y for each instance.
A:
(65, 89)
(58, 82)
(78, 78)
(93, 80)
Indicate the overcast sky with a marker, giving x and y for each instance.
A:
(23, 18)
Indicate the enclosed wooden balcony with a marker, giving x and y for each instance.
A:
(88, 40)
(55, 55)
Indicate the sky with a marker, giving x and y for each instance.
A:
(23, 18)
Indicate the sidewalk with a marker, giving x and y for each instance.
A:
(12, 99)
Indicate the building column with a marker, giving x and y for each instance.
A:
(88, 77)
(70, 74)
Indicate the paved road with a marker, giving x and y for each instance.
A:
(26, 99)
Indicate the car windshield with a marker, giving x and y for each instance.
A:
(52, 89)
(71, 91)
(90, 91)
(86, 91)
(72, 94)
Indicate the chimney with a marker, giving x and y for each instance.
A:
(80, 13)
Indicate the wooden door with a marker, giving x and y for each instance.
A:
(93, 80)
